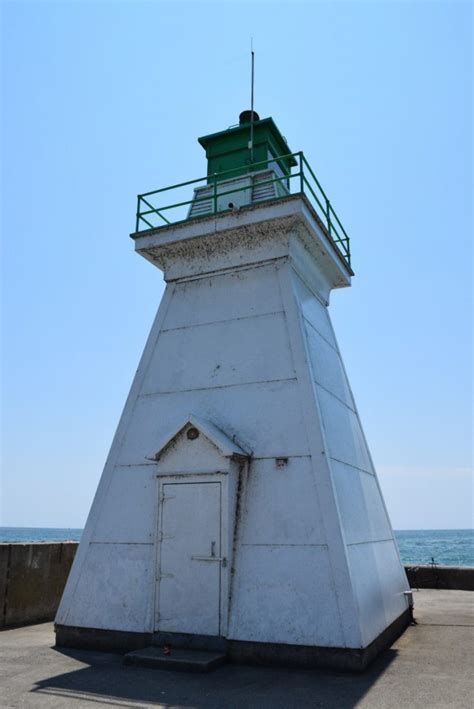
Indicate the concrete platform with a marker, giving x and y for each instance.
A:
(430, 665)
(178, 659)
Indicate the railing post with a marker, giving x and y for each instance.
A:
(214, 194)
(328, 215)
(301, 172)
(137, 223)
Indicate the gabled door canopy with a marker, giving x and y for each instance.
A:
(225, 445)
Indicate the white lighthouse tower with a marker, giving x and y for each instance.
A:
(239, 507)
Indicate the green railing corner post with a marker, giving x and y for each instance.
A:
(328, 215)
(214, 193)
(137, 223)
(301, 171)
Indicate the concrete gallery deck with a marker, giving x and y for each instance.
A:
(430, 665)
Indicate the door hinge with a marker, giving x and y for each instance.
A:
(162, 536)
(166, 497)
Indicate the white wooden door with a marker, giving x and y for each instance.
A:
(189, 564)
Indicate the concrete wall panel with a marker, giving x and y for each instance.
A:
(314, 311)
(115, 589)
(343, 432)
(128, 511)
(284, 594)
(361, 506)
(228, 296)
(220, 354)
(281, 504)
(379, 582)
(327, 367)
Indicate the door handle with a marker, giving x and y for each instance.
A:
(211, 558)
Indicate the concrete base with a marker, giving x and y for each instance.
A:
(190, 641)
(99, 639)
(238, 651)
(345, 659)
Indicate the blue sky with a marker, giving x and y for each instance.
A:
(105, 100)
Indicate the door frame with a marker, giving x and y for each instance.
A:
(185, 478)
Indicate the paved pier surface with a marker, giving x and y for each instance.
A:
(429, 666)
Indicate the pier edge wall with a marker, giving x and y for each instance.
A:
(32, 579)
(33, 576)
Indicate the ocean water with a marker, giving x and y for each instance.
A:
(39, 534)
(454, 547)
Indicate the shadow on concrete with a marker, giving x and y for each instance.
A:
(107, 681)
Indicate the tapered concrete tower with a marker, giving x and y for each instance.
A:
(239, 507)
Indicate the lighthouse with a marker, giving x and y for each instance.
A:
(239, 508)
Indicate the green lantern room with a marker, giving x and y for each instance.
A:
(246, 163)
(230, 151)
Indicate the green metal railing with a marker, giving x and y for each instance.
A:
(305, 179)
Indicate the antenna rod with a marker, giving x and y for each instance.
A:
(251, 100)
